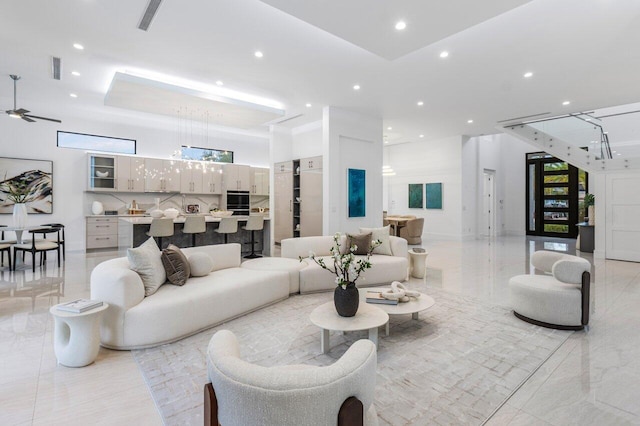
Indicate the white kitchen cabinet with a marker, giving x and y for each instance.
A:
(102, 232)
(212, 179)
(102, 173)
(236, 177)
(283, 201)
(162, 175)
(310, 196)
(259, 181)
(130, 174)
(192, 178)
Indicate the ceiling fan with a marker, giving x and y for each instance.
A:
(23, 113)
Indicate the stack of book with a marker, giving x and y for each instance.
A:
(79, 306)
(376, 297)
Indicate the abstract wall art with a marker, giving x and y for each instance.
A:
(357, 192)
(30, 181)
(415, 196)
(434, 195)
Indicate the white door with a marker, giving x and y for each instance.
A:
(487, 228)
(622, 210)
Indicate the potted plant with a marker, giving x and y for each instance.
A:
(19, 192)
(347, 268)
(589, 201)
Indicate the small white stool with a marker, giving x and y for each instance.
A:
(76, 339)
(418, 263)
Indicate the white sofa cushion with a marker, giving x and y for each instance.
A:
(200, 264)
(291, 266)
(146, 261)
(381, 234)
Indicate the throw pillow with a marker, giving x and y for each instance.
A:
(361, 241)
(200, 264)
(381, 234)
(175, 265)
(145, 260)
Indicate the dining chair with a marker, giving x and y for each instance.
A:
(62, 240)
(5, 246)
(41, 246)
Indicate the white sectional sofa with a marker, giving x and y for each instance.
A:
(313, 278)
(134, 321)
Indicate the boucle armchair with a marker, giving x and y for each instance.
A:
(245, 394)
(412, 231)
(560, 298)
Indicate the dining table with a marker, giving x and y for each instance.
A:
(396, 223)
(20, 229)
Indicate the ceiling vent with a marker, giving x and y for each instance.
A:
(56, 68)
(149, 14)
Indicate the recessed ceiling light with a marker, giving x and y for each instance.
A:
(401, 25)
(389, 128)
(73, 95)
(75, 73)
(356, 87)
(78, 46)
(386, 141)
(308, 105)
(420, 103)
(469, 121)
(614, 151)
(444, 54)
(617, 154)
(421, 136)
(528, 74)
(219, 83)
(565, 103)
(588, 119)
(258, 54)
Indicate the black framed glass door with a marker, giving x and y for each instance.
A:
(554, 191)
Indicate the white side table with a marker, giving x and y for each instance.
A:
(367, 318)
(418, 263)
(76, 339)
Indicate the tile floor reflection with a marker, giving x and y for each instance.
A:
(594, 378)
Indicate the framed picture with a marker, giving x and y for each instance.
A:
(415, 196)
(434, 195)
(193, 208)
(357, 192)
(32, 179)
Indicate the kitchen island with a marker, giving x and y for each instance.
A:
(132, 231)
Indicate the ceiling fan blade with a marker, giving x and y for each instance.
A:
(42, 118)
(21, 111)
(25, 118)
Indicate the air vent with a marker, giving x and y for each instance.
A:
(56, 68)
(522, 118)
(149, 14)
(283, 119)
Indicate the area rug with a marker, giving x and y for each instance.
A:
(455, 365)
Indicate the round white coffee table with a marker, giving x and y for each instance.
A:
(76, 339)
(418, 263)
(368, 317)
(413, 306)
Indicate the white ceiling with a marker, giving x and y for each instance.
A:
(584, 51)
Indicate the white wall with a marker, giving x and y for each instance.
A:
(350, 140)
(307, 140)
(154, 139)
(428, 162)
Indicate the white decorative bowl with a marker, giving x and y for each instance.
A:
(171, 213)
(102, 174)
(156, 213)
(221, 213)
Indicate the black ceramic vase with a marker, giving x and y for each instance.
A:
(346, 300)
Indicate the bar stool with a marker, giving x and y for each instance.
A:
(161, 227)
(62, 240)
(194, 225)
(254, 223)
(228, 225)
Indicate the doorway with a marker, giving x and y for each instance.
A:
(488, 226)
(554, 191)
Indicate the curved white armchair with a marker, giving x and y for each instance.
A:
(559, 299)
(245, 394)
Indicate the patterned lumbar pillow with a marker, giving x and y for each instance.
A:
(361, 241)
(381, 234)
(175, 265)
(145, 260)
(201, 264)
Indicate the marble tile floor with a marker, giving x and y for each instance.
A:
(594, 378)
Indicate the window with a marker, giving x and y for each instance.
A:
(207, 154)
(96, 143)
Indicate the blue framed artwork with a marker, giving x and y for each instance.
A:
(434, 195)
(415, 196)
(357, 192)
